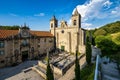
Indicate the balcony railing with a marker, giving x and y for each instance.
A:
(96, 76)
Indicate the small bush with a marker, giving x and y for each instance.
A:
(72, 53)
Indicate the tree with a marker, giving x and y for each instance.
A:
(49, 73)
(106, 44)
(100, 32)
(93, 41)
(15, 27)
(108, 29)
(77, 67)
(88, 51)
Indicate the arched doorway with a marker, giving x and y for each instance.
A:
(62, 48)
(24, 55)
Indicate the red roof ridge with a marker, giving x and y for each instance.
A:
(7, 33)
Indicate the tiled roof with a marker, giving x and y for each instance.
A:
(8, 33)
(41, 33)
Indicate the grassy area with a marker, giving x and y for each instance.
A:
(87, 73)
(116, 38)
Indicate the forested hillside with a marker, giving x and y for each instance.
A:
(9, 27)
(108, 29)
(107, 38)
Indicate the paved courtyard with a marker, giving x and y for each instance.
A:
(30, 75)
(11, 71)
(24, 72)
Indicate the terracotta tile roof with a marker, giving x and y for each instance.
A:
(41, 33)
(8, 33)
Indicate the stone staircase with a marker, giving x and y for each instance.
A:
(41, 71)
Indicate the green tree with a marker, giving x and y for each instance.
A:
(93, 41)
(106, 44)
(100, 32)
(108, 29)
(15, 27)
(88, 51)
(49, 73)
(77, 67)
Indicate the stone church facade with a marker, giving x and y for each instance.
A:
(69, 37)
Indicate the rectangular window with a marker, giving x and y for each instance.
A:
(39, 40)
(1, 52)
(45, 40)
(16, 41)
(50, 40)
(1, 44)
(39, 46)
(2, 61)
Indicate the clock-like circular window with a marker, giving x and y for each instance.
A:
(62, 31)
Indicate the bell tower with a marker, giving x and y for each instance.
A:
(53, 24)
(76, 19)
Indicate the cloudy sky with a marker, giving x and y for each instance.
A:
(37, 13)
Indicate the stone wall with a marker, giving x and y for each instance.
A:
(70, 38)
(40, 48)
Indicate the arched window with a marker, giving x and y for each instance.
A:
(74, 22)
(51, 25)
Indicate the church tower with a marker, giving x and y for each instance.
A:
(53, 24)
(76, 19)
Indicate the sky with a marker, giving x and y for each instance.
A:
(37, 13)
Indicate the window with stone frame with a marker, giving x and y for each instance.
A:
(2, 52)
(45, 40)
(2, 44)
(16, 41)
(38, 46)
(25, 42)
(50, 40)
(51, 25)
(74, 22)
(32, 40)
(38, 40)
(32, 49)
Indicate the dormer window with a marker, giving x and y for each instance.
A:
(74, 22)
